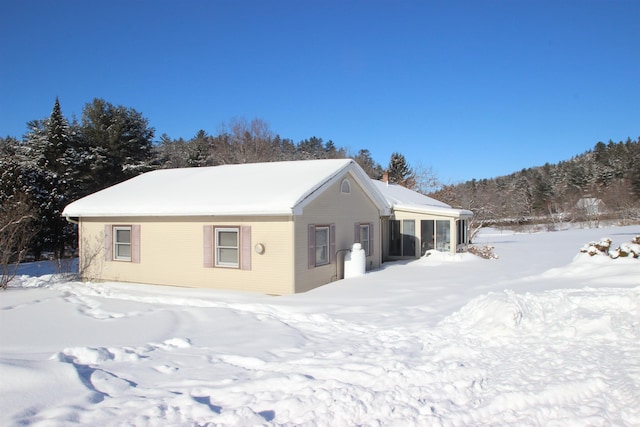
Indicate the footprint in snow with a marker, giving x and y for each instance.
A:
(166, 369)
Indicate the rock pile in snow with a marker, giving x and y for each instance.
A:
(603, 247)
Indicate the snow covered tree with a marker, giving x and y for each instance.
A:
(198, 150)
(57, 142)
(119, 141)
(8, 146)
(47, 170)
(170, 153)
(400, 172)
(311, 148)
(634, 177)
(285, 148)
(366, 162)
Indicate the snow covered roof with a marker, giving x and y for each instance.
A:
(276, 188)
(400, 197)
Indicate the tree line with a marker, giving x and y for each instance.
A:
(59, 160)
(602, 182)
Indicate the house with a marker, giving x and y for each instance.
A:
(275, 228)
(590, 206)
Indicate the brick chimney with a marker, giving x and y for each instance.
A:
(385, 177)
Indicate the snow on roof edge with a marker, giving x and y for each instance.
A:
(285, 200)
(385, 197)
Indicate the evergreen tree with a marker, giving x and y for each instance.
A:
(57, 141)
(198, 150)
(635, 183)
(333, 152)
(312, 148)
(47, 172)
(399, 171)
(119, 140)
(366, 162)
(8, 147)
(285, 148)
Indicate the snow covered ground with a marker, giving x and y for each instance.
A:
(543, 335)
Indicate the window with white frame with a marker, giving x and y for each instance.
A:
(122, 243)
(365, 231)
(322, 245)
(227, 247)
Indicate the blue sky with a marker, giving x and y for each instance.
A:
(472, 89)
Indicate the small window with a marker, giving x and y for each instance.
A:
(345, 187)
(364, 238)
(227, 248)
(322, 245)
(122, 243)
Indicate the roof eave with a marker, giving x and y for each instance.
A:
(288, 212)
(448, 212)
(359, 175)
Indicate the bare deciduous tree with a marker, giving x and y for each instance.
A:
(16, 231)
(426, 180)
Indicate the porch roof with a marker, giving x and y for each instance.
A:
(401, 198)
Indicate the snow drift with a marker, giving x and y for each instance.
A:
(544, 335)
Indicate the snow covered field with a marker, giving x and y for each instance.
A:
(541, 336)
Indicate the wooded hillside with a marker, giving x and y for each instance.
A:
(603, 182)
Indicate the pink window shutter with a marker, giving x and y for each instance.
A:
(312, 246)
(245, 247)
(332, 243)
(108, 242)
(207, 254)
(371, 239)
(356, 233)
(135, 244)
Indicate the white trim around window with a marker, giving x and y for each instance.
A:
(227, 247)
(365, 239)
(364, 235)
(322, 245)
(122, 243)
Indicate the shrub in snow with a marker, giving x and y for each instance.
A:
(485, 251)
(597, 248)
(604, 248)
(627, 250)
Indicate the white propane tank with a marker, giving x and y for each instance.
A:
(355, 262)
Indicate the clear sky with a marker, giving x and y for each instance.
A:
(472, 89)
